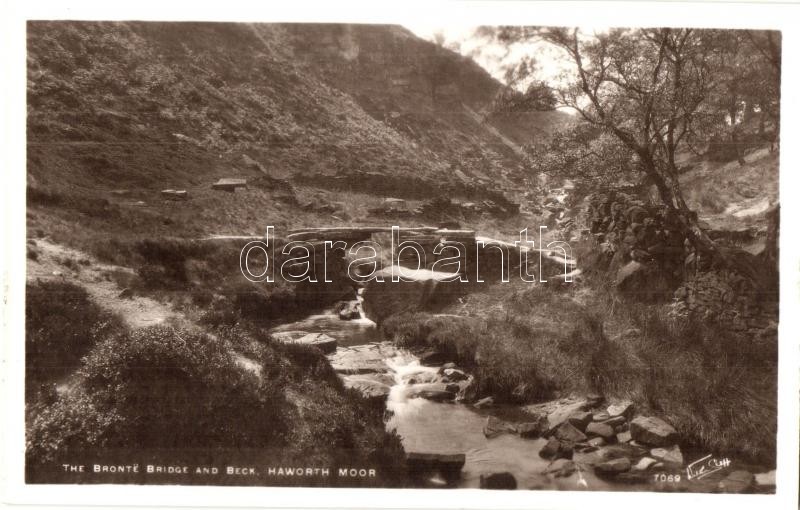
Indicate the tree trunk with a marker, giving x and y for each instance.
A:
(737, 147)
(732, 110)
(672, 197)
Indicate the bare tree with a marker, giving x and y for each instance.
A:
(647, 88)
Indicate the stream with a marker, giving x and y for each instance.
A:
(444, 428)
(432, 427)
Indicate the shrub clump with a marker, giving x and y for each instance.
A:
(160, 390)
(187, 386)
(61, 325)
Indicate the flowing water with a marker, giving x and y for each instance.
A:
(359, 331)
(426, 426)
(430, 427)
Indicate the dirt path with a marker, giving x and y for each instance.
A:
(57, 262)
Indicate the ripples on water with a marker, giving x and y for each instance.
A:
(433, 427)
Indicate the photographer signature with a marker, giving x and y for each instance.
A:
(705, 466)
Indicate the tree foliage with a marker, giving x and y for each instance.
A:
(584, 150)
(537, 97)
(659, 92)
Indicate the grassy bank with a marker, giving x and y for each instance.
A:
(180, 395)
(534, 343)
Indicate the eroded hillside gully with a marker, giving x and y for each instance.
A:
(453, 440)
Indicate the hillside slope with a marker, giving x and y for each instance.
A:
(729, 195)
(140, 107)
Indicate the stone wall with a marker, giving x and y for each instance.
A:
(724, 295)
(647, 252)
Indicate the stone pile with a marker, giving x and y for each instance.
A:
(614, 440)
(628, 229)
(347, 310)
(729, 297)
(553, 209)
(444, 207)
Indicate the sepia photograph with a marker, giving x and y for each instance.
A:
(405, 255)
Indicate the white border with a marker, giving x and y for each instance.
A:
(781, 16)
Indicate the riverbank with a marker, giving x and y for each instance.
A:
(122, 375)
(454, 435)
(386, 391)
(528, 344)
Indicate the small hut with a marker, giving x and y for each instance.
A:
(230, 185)
(175, 194)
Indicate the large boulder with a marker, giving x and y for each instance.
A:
(348, 310)
(420, 376)
(580, 420)
(455, 375)
(567, 432)
(559, 411)
(433, 392)
(415, 291)
(555, 449)
(327, 344)
(533, 429)
(371, 386)
(737, 482)
(600, 430)
(622, 408)
(499, 481)
(611, 452)
(653, 431)
(615, 422)
(363, 359)
(613, 466)
(495, 426)
(671, 456)
(561, 467)
(448, 465)
(623, 437)
(644, 464)
(628, 450)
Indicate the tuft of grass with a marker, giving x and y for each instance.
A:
(718, 389)
(514, 356)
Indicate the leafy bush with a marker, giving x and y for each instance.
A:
(93, 207)
(221, 313)
(307, 363)
(259, 303)
(61, 325)
(73, 423)
(182, 388)
(165, 261)
(165, 390)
